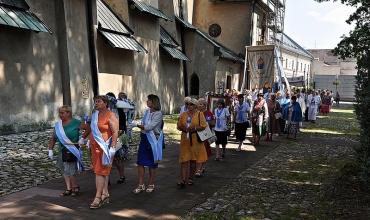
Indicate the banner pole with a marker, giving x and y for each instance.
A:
(245, 69)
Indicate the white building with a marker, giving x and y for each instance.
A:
(328, 68)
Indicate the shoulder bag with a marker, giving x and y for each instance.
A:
(277, 114)
(68, 156)
(206, 133)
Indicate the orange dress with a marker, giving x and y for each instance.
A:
(96, 151)
(197, 151)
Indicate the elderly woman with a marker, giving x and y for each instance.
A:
(184, 107)
(104, 127)
(202, 107)
(151, 143)
(191, 150)
(241, 115)
(273, 122)
(67, 131)
(259, 112)
(292, 116)
(223, 120)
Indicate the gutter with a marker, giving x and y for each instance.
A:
(251, 23)
(92, 51)
(185, 70)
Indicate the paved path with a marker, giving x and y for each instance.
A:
(167, 201)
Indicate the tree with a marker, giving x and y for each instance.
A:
(357, 45)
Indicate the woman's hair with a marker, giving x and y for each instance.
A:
(156, 102)
(194, 101)
(66, 108)
(273, 95)
(202, 100)
(111, 94)
(294, 97)
(186, 99)
(222, 102)
(103, 98)
(240, 96)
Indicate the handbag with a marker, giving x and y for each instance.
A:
(205, 134)
(278, 115)
(212, 139)
(68, 156)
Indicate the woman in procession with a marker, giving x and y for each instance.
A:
(67, 131)
(192, 151)
(104, 129)
(259, 114)
(223, 120)
(240, 119)
(151, 143)
(202, 107)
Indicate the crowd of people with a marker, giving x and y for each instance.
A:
(267, 114)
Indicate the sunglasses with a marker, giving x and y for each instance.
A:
(189, 104)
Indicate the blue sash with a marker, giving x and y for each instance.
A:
(98, 137)
(242, 116)
(218, 114)
(72, 148)
(155, 144)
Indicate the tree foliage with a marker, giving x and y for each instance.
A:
(357, 45)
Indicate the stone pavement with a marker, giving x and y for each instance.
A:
(167, 201)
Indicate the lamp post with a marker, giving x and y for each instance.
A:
(336, 83)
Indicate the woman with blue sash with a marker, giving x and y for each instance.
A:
(293, 115)
(104, 129)
(67, 131)
(151, 143)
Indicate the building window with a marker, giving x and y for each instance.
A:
(228, 82)
(194, 85)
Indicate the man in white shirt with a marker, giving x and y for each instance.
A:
(314, 105)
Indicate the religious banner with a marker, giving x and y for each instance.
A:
(261, 66)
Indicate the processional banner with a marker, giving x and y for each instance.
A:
(261, 66)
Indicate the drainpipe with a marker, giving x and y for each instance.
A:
(251, 24)
(92, 52)
(185, 70)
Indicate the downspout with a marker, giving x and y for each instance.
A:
(92, 52)
(185, 70)
(251, 24)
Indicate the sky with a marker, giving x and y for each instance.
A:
(316, 25)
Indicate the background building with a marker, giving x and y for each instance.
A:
(327, 68)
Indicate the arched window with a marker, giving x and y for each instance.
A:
(194, 85)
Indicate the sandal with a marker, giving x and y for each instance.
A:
(95, 205)
(203, 170)
(68, 192)
(182, 183)
(222, 156)
(75, 191)
(199, 173)
(139, 188)
(151, 188)
(105, 199)
(121, 180)
(217, 159)
(190, 182)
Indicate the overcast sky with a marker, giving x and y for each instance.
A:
(316, 25)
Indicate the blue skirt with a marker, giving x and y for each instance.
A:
(145, 155)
